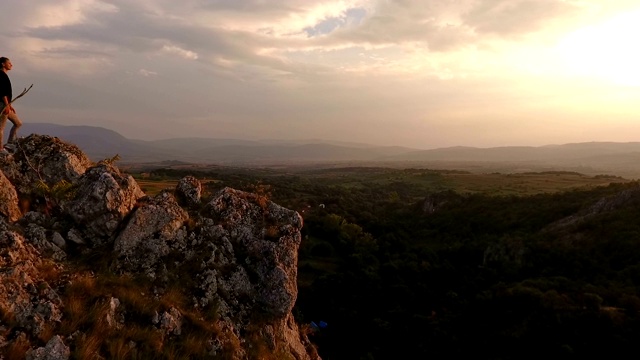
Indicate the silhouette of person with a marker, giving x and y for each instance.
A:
(7, 112)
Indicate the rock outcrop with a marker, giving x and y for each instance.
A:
(95, 265)
(43, 159)
(102, 198)
(8, 199)
(28, 301)
(569, 228)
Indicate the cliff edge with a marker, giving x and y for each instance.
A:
(92, 267)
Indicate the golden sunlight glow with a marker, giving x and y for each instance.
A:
(607, 51)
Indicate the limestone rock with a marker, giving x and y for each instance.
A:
(104, 196)
(189, 191)
(43, 158)
(58, 240)
(8, 199)
(171, 321)
(24, 295)
(154, 227)
(569, 226)
(75, 237)
(54, 350)
(242, 255)
(34, 217)
(269, 235)
(37, 235)
(115, 315)
(236, 255)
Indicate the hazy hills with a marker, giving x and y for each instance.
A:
(621, 159)
(102, 143)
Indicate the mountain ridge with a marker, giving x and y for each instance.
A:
(618, 158)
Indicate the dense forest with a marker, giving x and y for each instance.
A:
(425, 264)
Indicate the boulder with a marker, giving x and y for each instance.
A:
(25, 297)
(155, 226)
(42, 158)
(265, 237)
(38, 237)
(102, 199)
(189, 191)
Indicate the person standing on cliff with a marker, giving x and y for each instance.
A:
(7, 112)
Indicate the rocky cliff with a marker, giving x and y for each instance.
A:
(91, 267)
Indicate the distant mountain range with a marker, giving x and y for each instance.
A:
(99, 143)
(622, 159)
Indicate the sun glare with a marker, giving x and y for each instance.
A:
(607, 51)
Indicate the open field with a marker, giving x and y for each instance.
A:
(154, 186)
(300, 180)
(527, 183)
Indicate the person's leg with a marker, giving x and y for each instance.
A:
(3, 121)
(13, 134)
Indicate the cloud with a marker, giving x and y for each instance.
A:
(187, 54)
(147, 73)
(289, 66)
(506, 17)
(281, 37)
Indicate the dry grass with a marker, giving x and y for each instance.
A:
(88, 347)
(230, 347)
(120, 348)
(7, 317)
(174, 298)
(86, 308)
(46, 333)
(154, 187)
(17, 349)
(75, 314)
(259, 194)
(49, 271)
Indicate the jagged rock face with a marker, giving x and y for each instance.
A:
(155, 227)
(25, 299)
(8, 199)
(43, 158)
(240, 255)
(45, 243)
(265, 238)
(568, 225)
(103, 197)
(171, 321)
(189, 191)
(245, 250)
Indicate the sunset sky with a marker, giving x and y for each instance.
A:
(417, 73)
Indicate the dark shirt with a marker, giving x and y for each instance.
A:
(5, 87)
